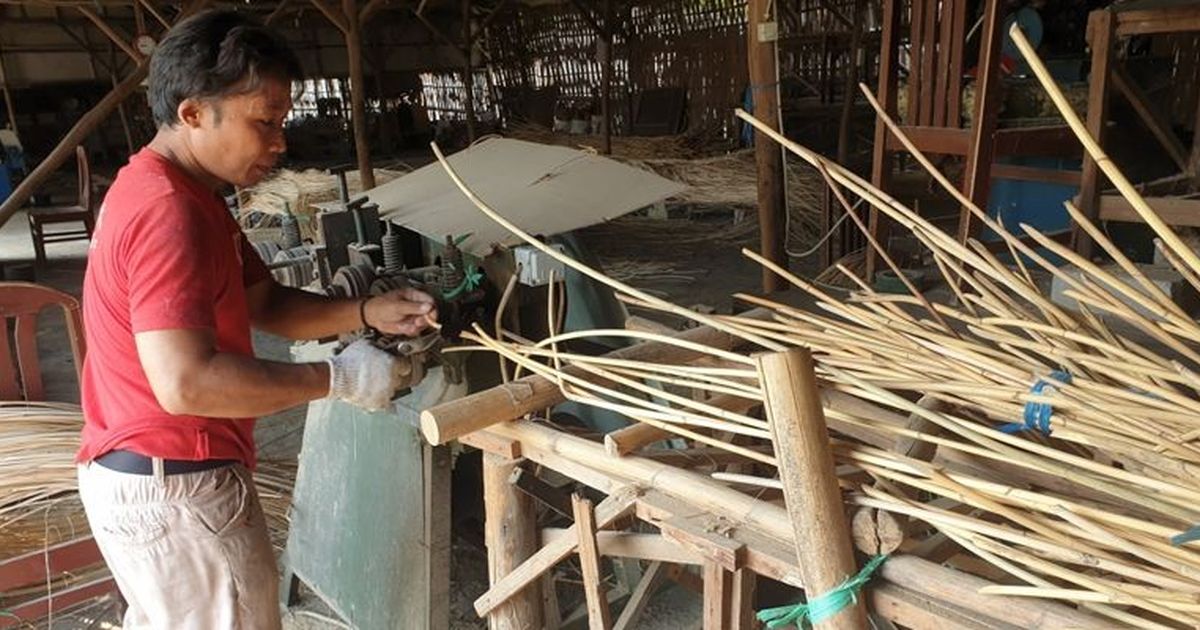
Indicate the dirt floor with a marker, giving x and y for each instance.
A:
(694, 271)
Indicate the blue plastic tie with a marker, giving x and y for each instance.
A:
(1182, 538)
(819, 609)
(1037, 414)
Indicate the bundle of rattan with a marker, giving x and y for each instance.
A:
(298, 192)
(39, 500)
(1059, 446)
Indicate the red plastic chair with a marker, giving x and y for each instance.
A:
(20, 372)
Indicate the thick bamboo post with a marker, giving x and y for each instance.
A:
(511, 537)
(358, 96)
(810, 486)
(764, 89)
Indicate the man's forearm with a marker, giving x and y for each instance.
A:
(298, 314)
(237, 386)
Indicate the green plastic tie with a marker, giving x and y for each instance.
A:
(471, 281)
(818, 609)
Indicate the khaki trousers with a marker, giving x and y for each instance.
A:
(189, 551)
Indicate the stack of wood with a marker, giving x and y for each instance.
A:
(1052, 451)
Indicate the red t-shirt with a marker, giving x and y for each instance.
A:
(166, 254)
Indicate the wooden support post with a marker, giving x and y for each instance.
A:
(468, 70)
(358, 95)
(810, 486)
(718, 596)
(8, 100)
(850, 90)
(599, 616)
(745, 582)
(606, 73)
(1101, 32)
(511, 537)
(768, 156)
(881, 159)
(977, 176)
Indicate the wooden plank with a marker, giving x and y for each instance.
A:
(21, 615)
(1101, 27)
(650, 547)
(599, 615)
(1176, 212)
(977, 176)
(931, 60)
(881, 154)
(640, 596)
(614, 507)
(916, 60)
(941, 99)
(1179, 19)
(718, 597)
(810, 485)
(957, 42)
(932, 140)
(511, 537)
(1035, 174)
(1160, 128)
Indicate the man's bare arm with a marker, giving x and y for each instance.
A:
(296, 314)
(189, 377)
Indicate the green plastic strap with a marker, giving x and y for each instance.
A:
(821, 608)
(471, 280)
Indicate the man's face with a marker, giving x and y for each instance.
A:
(237, 139)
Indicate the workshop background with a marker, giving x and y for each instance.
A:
(609, 480)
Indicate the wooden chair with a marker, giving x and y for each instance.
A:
(20, 374)
(81, 212)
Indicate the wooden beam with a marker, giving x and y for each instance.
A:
(116, 38)
(882, 154)
(745, 583)
(649, 547)
(338, 18)
(633, 437)
(768, 156)
(1035, 174)
(511, 537)
(494, 444)
(1101, 32)
(1175, 211)
(149, 6)
(1178, 19)
(372, 7)
(1160, 128)
(599, 614)
(609, 510)
(66, 147)
(640, 596)
(810, 485)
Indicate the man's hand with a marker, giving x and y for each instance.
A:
(366, 376)
(404, 311)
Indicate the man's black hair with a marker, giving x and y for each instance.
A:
(214, 54)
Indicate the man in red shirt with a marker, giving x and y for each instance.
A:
(170, 383)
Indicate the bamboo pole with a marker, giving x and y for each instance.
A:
(358, 95)
(814, 503)
(764, 90)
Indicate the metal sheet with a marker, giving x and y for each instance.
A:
(544, 189)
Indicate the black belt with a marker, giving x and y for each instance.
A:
(136, 464)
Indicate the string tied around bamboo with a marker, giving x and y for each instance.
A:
(820, 608)
(1037, 414)
(1192, 534)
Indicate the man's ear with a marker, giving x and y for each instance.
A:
(189, 112)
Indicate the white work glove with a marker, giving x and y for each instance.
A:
(366, 376)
